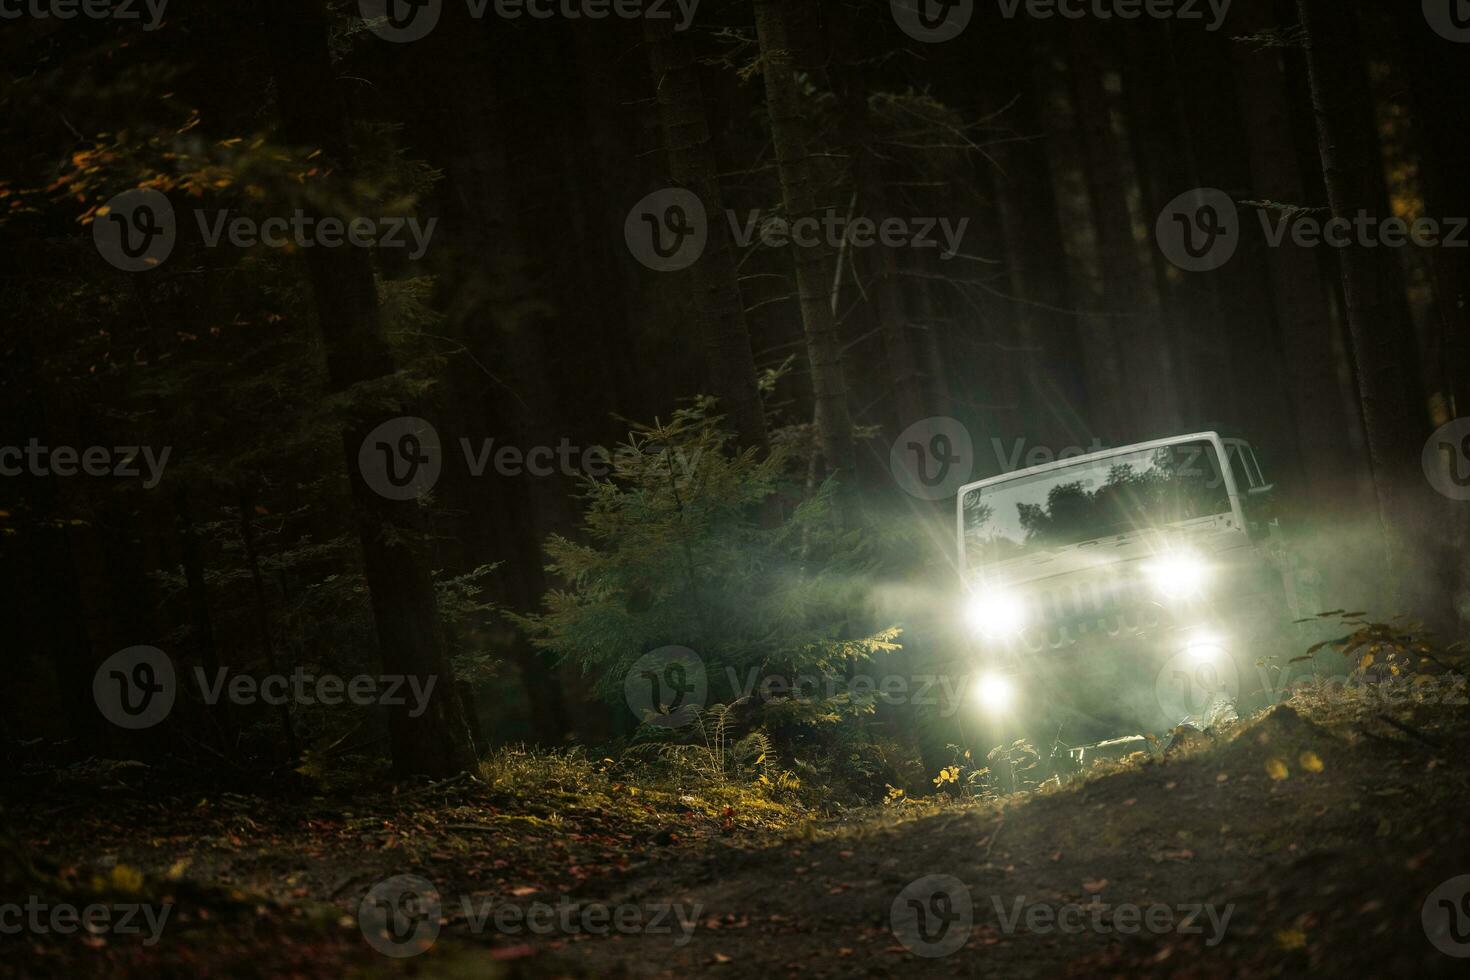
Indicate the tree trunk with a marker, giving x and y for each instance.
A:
(262, 615)
(877, 265)
(1436, 70)
(719, 310)
(201, 626)
(1310, 367)
(1191, 308)
(507, 303)
(1395, 425)
(410, 637)
(1041, 287)
(1147, 377)
(1250, 355)
(800, 185)
(1101, 363)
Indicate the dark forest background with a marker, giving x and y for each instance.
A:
(528, 320)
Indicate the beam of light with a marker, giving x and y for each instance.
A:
(1177, 574)
(997, 613)
(994, 692)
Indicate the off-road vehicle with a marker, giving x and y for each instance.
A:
(1123, 592)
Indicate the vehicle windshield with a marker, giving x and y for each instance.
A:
(1110, 496)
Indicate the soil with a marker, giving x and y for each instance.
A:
(1295, 842)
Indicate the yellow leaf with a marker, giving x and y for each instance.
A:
(126, 879)
(1310, 761)
(1276, 769)
(1291, 938)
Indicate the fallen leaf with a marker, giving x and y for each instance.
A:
(1291, 938)
(1276, 769)
(1183, 854)
(1310, 761)
(513, 952)
(126, 879)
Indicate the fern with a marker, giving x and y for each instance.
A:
(713, 754)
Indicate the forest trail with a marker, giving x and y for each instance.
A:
(1290, 849)
(1285, 845)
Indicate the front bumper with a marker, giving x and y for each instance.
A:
(1129, 667)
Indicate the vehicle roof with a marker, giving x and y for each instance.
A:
(1103, 454)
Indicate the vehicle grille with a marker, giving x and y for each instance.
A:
(1068, 614)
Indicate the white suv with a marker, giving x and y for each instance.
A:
(1124, 591)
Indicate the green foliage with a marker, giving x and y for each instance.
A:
(965, 778)
(714, 753)
(638, 787)
(463, 609)
(680, 547)
(323, 768)
(1395, 665)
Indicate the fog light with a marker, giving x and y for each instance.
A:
(1204, 647)
(994, 692)
(997, 613)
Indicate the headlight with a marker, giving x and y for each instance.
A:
(1204, 647)
(1178, 574)
(997, 613)
(994, 692)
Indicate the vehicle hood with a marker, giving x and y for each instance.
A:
(1114, 553)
